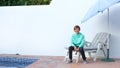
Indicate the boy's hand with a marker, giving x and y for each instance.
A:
(77, 49)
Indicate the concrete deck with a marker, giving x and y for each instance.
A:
(57, 62)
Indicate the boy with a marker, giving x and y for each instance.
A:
(77, 42)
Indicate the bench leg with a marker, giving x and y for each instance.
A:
(66, 57)
(78, 57)
(89, 53)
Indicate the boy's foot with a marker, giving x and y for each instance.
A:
(69, 62)
(85, 62)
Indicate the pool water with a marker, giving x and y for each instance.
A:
(7, 67)
(15, 62)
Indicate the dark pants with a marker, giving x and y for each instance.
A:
(81, 49)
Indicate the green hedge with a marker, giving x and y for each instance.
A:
(23, 2)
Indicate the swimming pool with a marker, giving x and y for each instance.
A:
(15, 62)
(7, 67)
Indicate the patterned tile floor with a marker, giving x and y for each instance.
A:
(57, 62)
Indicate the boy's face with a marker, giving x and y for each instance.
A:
(77, 30)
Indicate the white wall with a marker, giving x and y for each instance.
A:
(45, 30)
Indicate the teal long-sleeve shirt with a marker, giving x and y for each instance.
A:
(78, 40)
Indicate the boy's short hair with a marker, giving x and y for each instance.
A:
(76, 26)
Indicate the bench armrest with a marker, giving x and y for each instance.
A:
(87, 44)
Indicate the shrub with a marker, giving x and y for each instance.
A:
(23, 2)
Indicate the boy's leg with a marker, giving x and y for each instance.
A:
(71, 48)
(82, 53)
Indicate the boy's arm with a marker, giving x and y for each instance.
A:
(82, 41)
(72, 43)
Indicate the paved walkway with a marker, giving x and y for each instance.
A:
(57, 62)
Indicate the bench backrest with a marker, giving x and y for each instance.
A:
(100, 37)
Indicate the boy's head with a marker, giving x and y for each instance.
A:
(76, 29)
